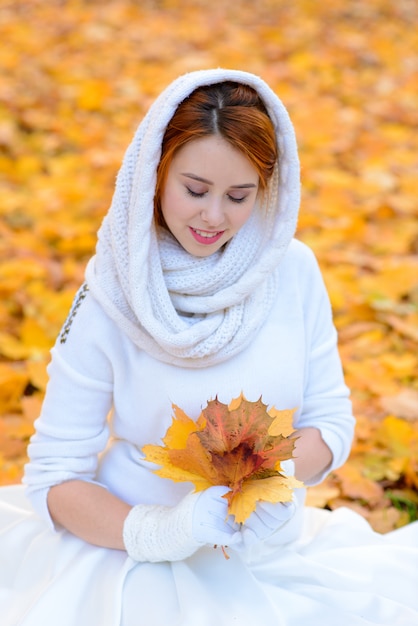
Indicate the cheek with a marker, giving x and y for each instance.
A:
(242, 216)
(171, 204)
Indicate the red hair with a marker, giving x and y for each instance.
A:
(232, 110)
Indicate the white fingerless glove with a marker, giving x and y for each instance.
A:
(161, 533)
(268, 518)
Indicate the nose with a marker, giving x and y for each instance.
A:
(213, 214)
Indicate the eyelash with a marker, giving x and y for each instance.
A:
(193, 194)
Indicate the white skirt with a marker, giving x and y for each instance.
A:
(339, 573)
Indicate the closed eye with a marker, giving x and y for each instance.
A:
(195, 194)
(238, 200)
(201, 194)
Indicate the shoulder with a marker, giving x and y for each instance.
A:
(85, 319)
(300, 261)
(301, 277)
(77, 303)
(300, 254)
(89, 339)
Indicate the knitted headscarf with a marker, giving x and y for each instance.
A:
(186, 310)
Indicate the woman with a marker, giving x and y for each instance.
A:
(197, 290)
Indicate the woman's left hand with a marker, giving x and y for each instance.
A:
(266, 520)
(269, 517)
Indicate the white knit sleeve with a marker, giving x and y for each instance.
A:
(326, 404)
(72, 428)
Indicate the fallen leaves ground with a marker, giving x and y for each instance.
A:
(75, 79)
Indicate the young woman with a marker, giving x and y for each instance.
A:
(197, 290)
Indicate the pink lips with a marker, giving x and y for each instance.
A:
(206, 240)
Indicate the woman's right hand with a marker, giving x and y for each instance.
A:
(212, 524)
(161, 533)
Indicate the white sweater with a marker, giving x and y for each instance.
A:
(293, 362)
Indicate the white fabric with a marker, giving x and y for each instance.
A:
(337, 573)
(154, 533)
(159, 533)
(146, 282)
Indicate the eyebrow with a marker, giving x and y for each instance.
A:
(209, 182)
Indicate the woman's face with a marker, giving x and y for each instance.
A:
(209, 193)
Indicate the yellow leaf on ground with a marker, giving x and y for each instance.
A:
(12, 348)
(12, 386)
(357, 486)
(34, 336)
(320, 495)
(404, 404)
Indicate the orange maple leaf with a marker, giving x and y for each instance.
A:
(240, 446)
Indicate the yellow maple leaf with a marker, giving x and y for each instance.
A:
(161, 456)
(181, 427)
(271, 489)
(282, 423)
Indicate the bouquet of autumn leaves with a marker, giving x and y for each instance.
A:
(240, 445)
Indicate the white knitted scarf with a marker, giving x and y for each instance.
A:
(186, 310)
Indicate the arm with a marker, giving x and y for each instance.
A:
(326, 423)
(89, 511)
(97, 516)
(147, 532)
(72, 429)
(312, 456)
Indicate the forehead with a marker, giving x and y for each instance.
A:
(215, 154)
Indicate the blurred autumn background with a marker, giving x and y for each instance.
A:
(76, 78)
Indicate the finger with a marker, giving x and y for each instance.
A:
(281, 511)
(264, 518)
(235, 539)
(258, 526)
(217, 492)
(249, 538)
(288, 467)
